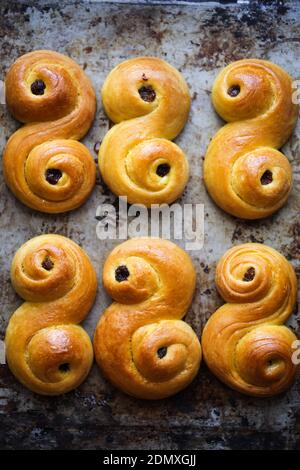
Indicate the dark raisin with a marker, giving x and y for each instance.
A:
(65, 367)
(144, 78)
(234, 90)
(38, 87)
(47, 264)
(53, 175)
(249, 275)
(97, 146)
(161, 352)
(267, 177)
(121, 273)
(147, 93)
(163, 169)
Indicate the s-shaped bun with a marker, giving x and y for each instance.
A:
(44, 165)
(244, 172)
(46, 348)
(149, 100)
(141, 343)
(245, 342)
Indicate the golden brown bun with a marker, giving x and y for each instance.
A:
(145, 322)
(46, 348)
(55, 120)
(132, 150)
(245, 342)
(242, 159)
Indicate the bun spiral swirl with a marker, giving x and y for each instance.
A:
(44, 165)
(141, 344)
(243, 172)
(149, 99)
(245, 342)
(46, 348)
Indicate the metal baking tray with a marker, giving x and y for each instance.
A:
(199, 39)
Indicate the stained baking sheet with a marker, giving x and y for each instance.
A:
(199, 39)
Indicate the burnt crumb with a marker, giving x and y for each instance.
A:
(255, 239)
(88, 49)
(163, 169)
(249, 275)
(207, 292)
(96, 21)
(266, 178)
(161, 352)
(157, 35)
(65, 367)
(233, 91)
(53, 175)
(147, 93)
(97, 146)
(144, 77)
(47, 264)
(121, 273)
(38, 87)
(90, 402)
(204, 267)
(236, 234)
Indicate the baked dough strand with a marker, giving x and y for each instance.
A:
(44, 165)
(245, 342)
(149, 99)
(243, 172)
(141, 344)
(46, 348)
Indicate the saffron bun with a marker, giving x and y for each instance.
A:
(245, 342)
(244, 172)
(141, 343)
(46, 349)
(44, 164)
(149, 101)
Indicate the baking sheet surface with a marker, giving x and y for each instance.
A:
(198, 39)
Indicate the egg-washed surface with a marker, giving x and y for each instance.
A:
(198, 40)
